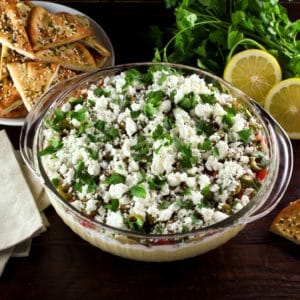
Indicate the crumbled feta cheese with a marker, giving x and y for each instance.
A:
(130, 126)
(116, 191)
(163, 157)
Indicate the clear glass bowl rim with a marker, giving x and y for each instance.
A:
(243, 216)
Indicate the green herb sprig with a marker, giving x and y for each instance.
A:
(208, 32)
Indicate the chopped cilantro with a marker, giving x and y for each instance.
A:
(115, 179)
(138, 191)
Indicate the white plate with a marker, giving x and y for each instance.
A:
(99, 32)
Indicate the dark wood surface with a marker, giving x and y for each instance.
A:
(256, 264)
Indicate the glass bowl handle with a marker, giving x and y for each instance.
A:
(285, 152)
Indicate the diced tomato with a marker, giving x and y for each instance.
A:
(87, 224)
(163, 242)
(261, 175)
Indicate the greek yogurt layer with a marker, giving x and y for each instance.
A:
(157, 152)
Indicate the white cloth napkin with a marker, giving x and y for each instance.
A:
(22, 200)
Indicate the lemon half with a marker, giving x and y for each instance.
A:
(283, 103)
(254, 72)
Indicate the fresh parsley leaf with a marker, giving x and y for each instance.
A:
(208, 98)
(138, 191)
(158, 133)
(206, 145)
(135, 223)
(187, 160)
(93, 154)
(55, 181)
(140, 149)
(134, 114)
(113, 205)
(187, 191)
(100, 125)
(245, 134)
(75, 100)
(79, 115)
(82, 177)
(115, 179)
(188, 102)
(156, 182)
(101, 92)
(58, 116)
(153, 101)
(132, 75)
(54, 146)
(216, 152)
(168, 123)
(165, 204)
(111, 134)
(205, 127)
(187, 204)
(195, 219)
(228, 118)
(207, 193)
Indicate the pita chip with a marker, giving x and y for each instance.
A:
(32, 79)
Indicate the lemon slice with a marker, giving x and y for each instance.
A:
(254, 72)
(283, 103)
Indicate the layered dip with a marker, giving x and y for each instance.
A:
(157, 152)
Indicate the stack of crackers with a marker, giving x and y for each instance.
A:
(39, 49)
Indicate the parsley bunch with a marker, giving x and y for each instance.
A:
(208, 32)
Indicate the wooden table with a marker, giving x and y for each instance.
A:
(254, 265)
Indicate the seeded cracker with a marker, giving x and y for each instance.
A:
(20, 23)
(287, 222)
(32, 79)
(12, 30)
(74, 56)
(48, 30)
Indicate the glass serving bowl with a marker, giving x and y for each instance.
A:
(167, 247)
